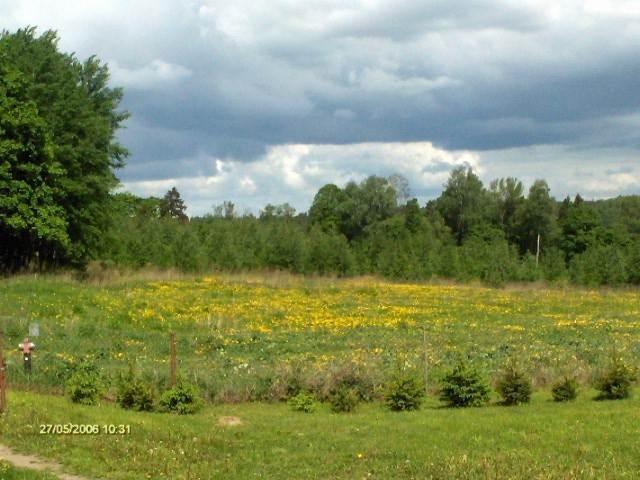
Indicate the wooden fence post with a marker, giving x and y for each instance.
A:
(3, 397)
(172, 358)
(425, 357)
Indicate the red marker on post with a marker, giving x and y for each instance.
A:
(26, 347)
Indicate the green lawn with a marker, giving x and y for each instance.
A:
(584, 439)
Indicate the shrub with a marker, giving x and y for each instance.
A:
(514, 385)
(85, 385)
(182, 399)
(344, 399)
(464, 386)
(616, 381)
(565, 390)
(348, 376)
(405, 391)
(133, 393)
(302, 402)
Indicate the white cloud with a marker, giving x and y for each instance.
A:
(593, 173)
(247, 185)
(294, 173)
(155, 74)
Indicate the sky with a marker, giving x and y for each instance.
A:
(262, 102)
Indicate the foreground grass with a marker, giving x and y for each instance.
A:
(583, 439)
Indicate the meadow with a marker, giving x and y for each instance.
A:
(237, 334)
(244, 339)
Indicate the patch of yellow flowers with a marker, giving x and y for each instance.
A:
(341, 305)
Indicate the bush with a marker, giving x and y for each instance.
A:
(565, 390)
(85, 385)
(348, 376)
(514, 386)
(302, 402)
(404, 391)
(464, 386)
(182, 399)
(343, 399)
(616, 381)
(133, 393)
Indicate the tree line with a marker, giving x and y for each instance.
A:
(496, 234)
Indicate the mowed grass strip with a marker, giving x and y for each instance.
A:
(581, 439)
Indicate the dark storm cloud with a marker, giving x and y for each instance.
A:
(208, 80)
(483, 75)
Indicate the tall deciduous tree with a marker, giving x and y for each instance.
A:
(59, 119)
(371, 201)
(537, 217)
(507, 198)
(30, 179)
(324, 211)
(463, 202)
(578, 224)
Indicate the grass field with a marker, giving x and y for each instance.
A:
(239, 337)
(585, 439)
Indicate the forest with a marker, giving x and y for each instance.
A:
(497, 234)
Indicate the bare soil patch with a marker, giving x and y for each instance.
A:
(229, 421)
(35, 463)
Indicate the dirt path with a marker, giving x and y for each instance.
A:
(35, 463)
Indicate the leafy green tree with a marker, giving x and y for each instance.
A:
(388, 246)
(371, 201)
(325, 209)
(578, 223)
(506, 196)
(285, 210)
(599, 265)
(414, 220)
(553, 264)
(65, 148)
(537, 217)
(487, 255)
(329, 252)
(284, 246)
(31, 217)
(623, 212)
(463, 202)
(277, 211)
